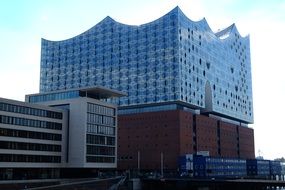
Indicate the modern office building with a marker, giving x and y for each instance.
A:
(32, 140)
(188, 88)
(73, 132)
(92, 124)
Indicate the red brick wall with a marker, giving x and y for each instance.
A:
(151, 134)
(229, 142)
(207, 134)
(246, 141)
(171, 132)
(186, 133)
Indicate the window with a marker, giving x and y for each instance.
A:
(100, 159)
(29, 146)
(29, 158)
(29, 134)
(29, 111)
(29, 122)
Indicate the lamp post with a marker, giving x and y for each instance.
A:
(161, 164)
(139, 160)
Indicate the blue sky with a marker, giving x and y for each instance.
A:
(24, 22)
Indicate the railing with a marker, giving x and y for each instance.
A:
(65, 184)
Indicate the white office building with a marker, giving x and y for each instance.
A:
(33, 138)
(51, 132)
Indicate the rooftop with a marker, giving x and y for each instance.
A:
(96, 92)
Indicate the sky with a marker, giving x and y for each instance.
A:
(24, 22)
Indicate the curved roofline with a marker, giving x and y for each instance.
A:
(116, 22)
(103, 20)
(204, 21)
(231, 29)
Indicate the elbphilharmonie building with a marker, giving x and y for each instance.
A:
(188, 89)
(170, 62)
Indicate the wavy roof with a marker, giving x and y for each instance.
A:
(221, 35)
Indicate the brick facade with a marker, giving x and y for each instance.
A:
(175, 133)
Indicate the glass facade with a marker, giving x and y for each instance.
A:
(29, 111)
(148, 109)
(225, 167)
(169, 59)
(29, 146)
(29, 134)
(29, 122)
(258, 167)
(101, 134)
(53, 96)
(220, 167)
(29, 158)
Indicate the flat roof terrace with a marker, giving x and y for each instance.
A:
(96, 92)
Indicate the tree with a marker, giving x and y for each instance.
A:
(282, 159)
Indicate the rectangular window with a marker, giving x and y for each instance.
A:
(29, 111)
(102, 110)
(29, 158)
(29, 122)
(100, 159)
